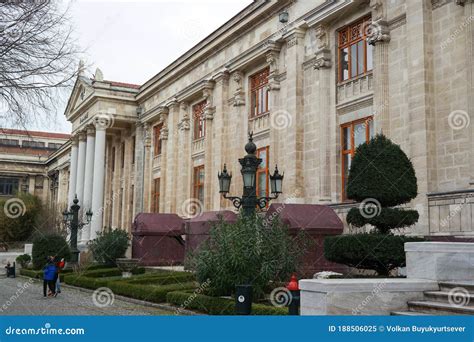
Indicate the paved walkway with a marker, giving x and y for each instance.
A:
(22, 296)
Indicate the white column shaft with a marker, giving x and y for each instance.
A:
(72, 175)
(88, 179)
(81, 162)
(98, 183)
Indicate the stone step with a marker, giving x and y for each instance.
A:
(437, 308)
(457, 297)
(408, 313)
(448, 286)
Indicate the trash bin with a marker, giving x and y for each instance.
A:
(243, 299)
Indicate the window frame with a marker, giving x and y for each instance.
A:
(255, 85)
(197, 185)
(363, 22)
(264, 170)
(156, 195)
(199, 123)
(157, 145)
(351, 150)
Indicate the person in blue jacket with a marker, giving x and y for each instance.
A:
(49, 277)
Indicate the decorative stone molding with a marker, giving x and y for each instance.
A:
(90, 130)
(461, 2)
(293, 37)
(147, 135)
(81, 136)
(164, 132)
(378, 32)
(378, 9)
(210, 108)
(239, 94)
(221, 76)
(272, 58)
(184, 124)
(323, 54)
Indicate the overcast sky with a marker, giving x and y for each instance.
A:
(131, 41)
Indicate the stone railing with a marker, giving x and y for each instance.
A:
(259, 123)
(354, 88)
(198, 146)
(450, 213)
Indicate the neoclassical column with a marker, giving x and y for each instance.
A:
(469, 15)
(98, 181)
(88, 179)
(147, 173)
(171, 157)
(323, 66)
(379, 36)
(72, 172)
(139, 168)
(209, 175)
(81, 164)
(292, 152)
(184, 159)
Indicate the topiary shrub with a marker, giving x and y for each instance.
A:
(381, 176)
(49, 245)
(19, 216)
(379, 252)
(23, 260)
(249, 251)
(110, 245)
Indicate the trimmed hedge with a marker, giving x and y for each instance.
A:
(38, 274)
(163, 279)
(217, 305)
(155, 294)
(86, 282)
(378, 252)
(110, 272)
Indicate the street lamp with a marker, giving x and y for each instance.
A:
(249, 200)
(71, 220)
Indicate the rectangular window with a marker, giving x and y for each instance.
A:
(262, 172)
(156, 196)
(198, 183)
(354, 53)
(156, 139)
(54, 146)
(33, 144)
(9, 142)
(353, 134)
(199, 123)
(259, 93)
(8, 186)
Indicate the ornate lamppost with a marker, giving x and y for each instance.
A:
(71, 220)
(249, 200)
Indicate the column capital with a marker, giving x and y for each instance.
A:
(81, 136)
(378, 32)
(74, 140)
(90, 130)
(293, 36)
(172, 104)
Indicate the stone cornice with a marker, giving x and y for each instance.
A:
(258, 51)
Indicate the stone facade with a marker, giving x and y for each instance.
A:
(419, 92)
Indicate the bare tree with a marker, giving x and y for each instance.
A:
(38, 58)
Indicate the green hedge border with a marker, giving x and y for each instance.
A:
(217, 305)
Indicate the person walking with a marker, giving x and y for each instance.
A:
(49, 276)
(60, 266)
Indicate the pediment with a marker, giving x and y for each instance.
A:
(81, 91)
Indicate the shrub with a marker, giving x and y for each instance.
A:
(217, 305)
(109, 272)
(381, 176)
(18, 217)
(86, 282)
(379, 252)
(249, 251)
(49, 245)
(109, 246)
(38, 274)
(155, 294)
(23, 260)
